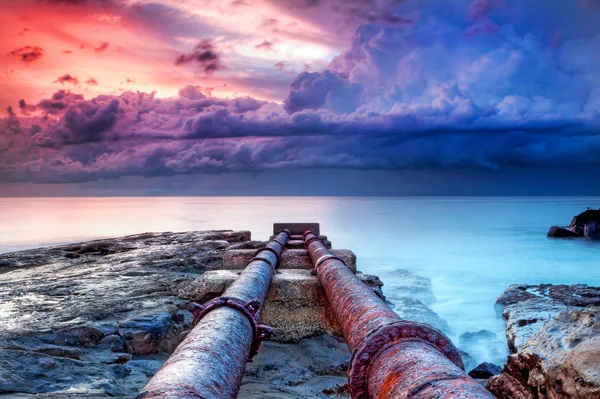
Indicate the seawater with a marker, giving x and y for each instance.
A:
(471, 248)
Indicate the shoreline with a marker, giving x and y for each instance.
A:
(154, 271)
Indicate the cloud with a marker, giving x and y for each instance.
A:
(102, 47)
(438, 93)
(92, 82)
(326, 90)
(265, 45)
(205, 56)
(28, 53)
(67, 78)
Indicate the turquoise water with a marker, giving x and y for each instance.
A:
(470, 248)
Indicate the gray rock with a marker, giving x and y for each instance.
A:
(67, 309)
(560, 360)
(586, 224)
(415, 310)
(149, 333)
(407, 284)
(527, 308)
(484, 371)
(562, 232)
(555, 334)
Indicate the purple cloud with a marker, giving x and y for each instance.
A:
(265, 45)
(204, 55)
(436, 93)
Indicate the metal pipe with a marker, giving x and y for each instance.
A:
(391, 358)
(210, 362)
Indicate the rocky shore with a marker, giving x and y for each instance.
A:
(553, 332)
(98, 319)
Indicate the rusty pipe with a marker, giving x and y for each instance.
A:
(210, 362)
(391, 358)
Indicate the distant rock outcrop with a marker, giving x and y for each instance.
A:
(586, 224)
(554, 333)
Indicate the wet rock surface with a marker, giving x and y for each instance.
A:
(98, 319)
(554, 334)
(586, 224)
(409, 295)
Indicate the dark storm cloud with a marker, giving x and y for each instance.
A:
(205, 56)
(28, 53)
(443, 92)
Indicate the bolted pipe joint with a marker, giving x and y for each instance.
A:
(391, 358)
(249, 309)
(389, 335)
(210, 362)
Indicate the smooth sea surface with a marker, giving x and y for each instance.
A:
(471, 248)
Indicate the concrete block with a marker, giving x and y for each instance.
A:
(237, 259)
(296, 228)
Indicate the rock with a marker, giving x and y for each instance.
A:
(586, 224)
(149, 333)
(414, 310)
(555, 332)
(113, 342)
(561, 360)
(79, 336)
(468, 360)
(561, 232)
(32, 372)
(527, 308)
(73, 312)
(373, 282)
(484, 344)
(407, 284)
(248, 245)
(70, 307)
(484, 371)
(298, 371)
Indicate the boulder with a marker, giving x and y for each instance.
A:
(560, 361)
(562, 232)
(554, 334)
(484, 371)
(586, 224)
(156, 332)
(483, 344)
(407, 284)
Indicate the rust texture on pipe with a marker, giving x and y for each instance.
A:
(391, 358)
(210, 362)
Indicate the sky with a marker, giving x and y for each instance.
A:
(315, 97)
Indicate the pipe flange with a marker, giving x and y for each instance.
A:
(326, 257)
(248, 309)
(386, 336)
(312, 239)
(273, 251)
(264, 259)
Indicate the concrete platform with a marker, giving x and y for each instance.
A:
(296, 305)
(299, 244)
(300, 237)
(297, 228)
(237, 259)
